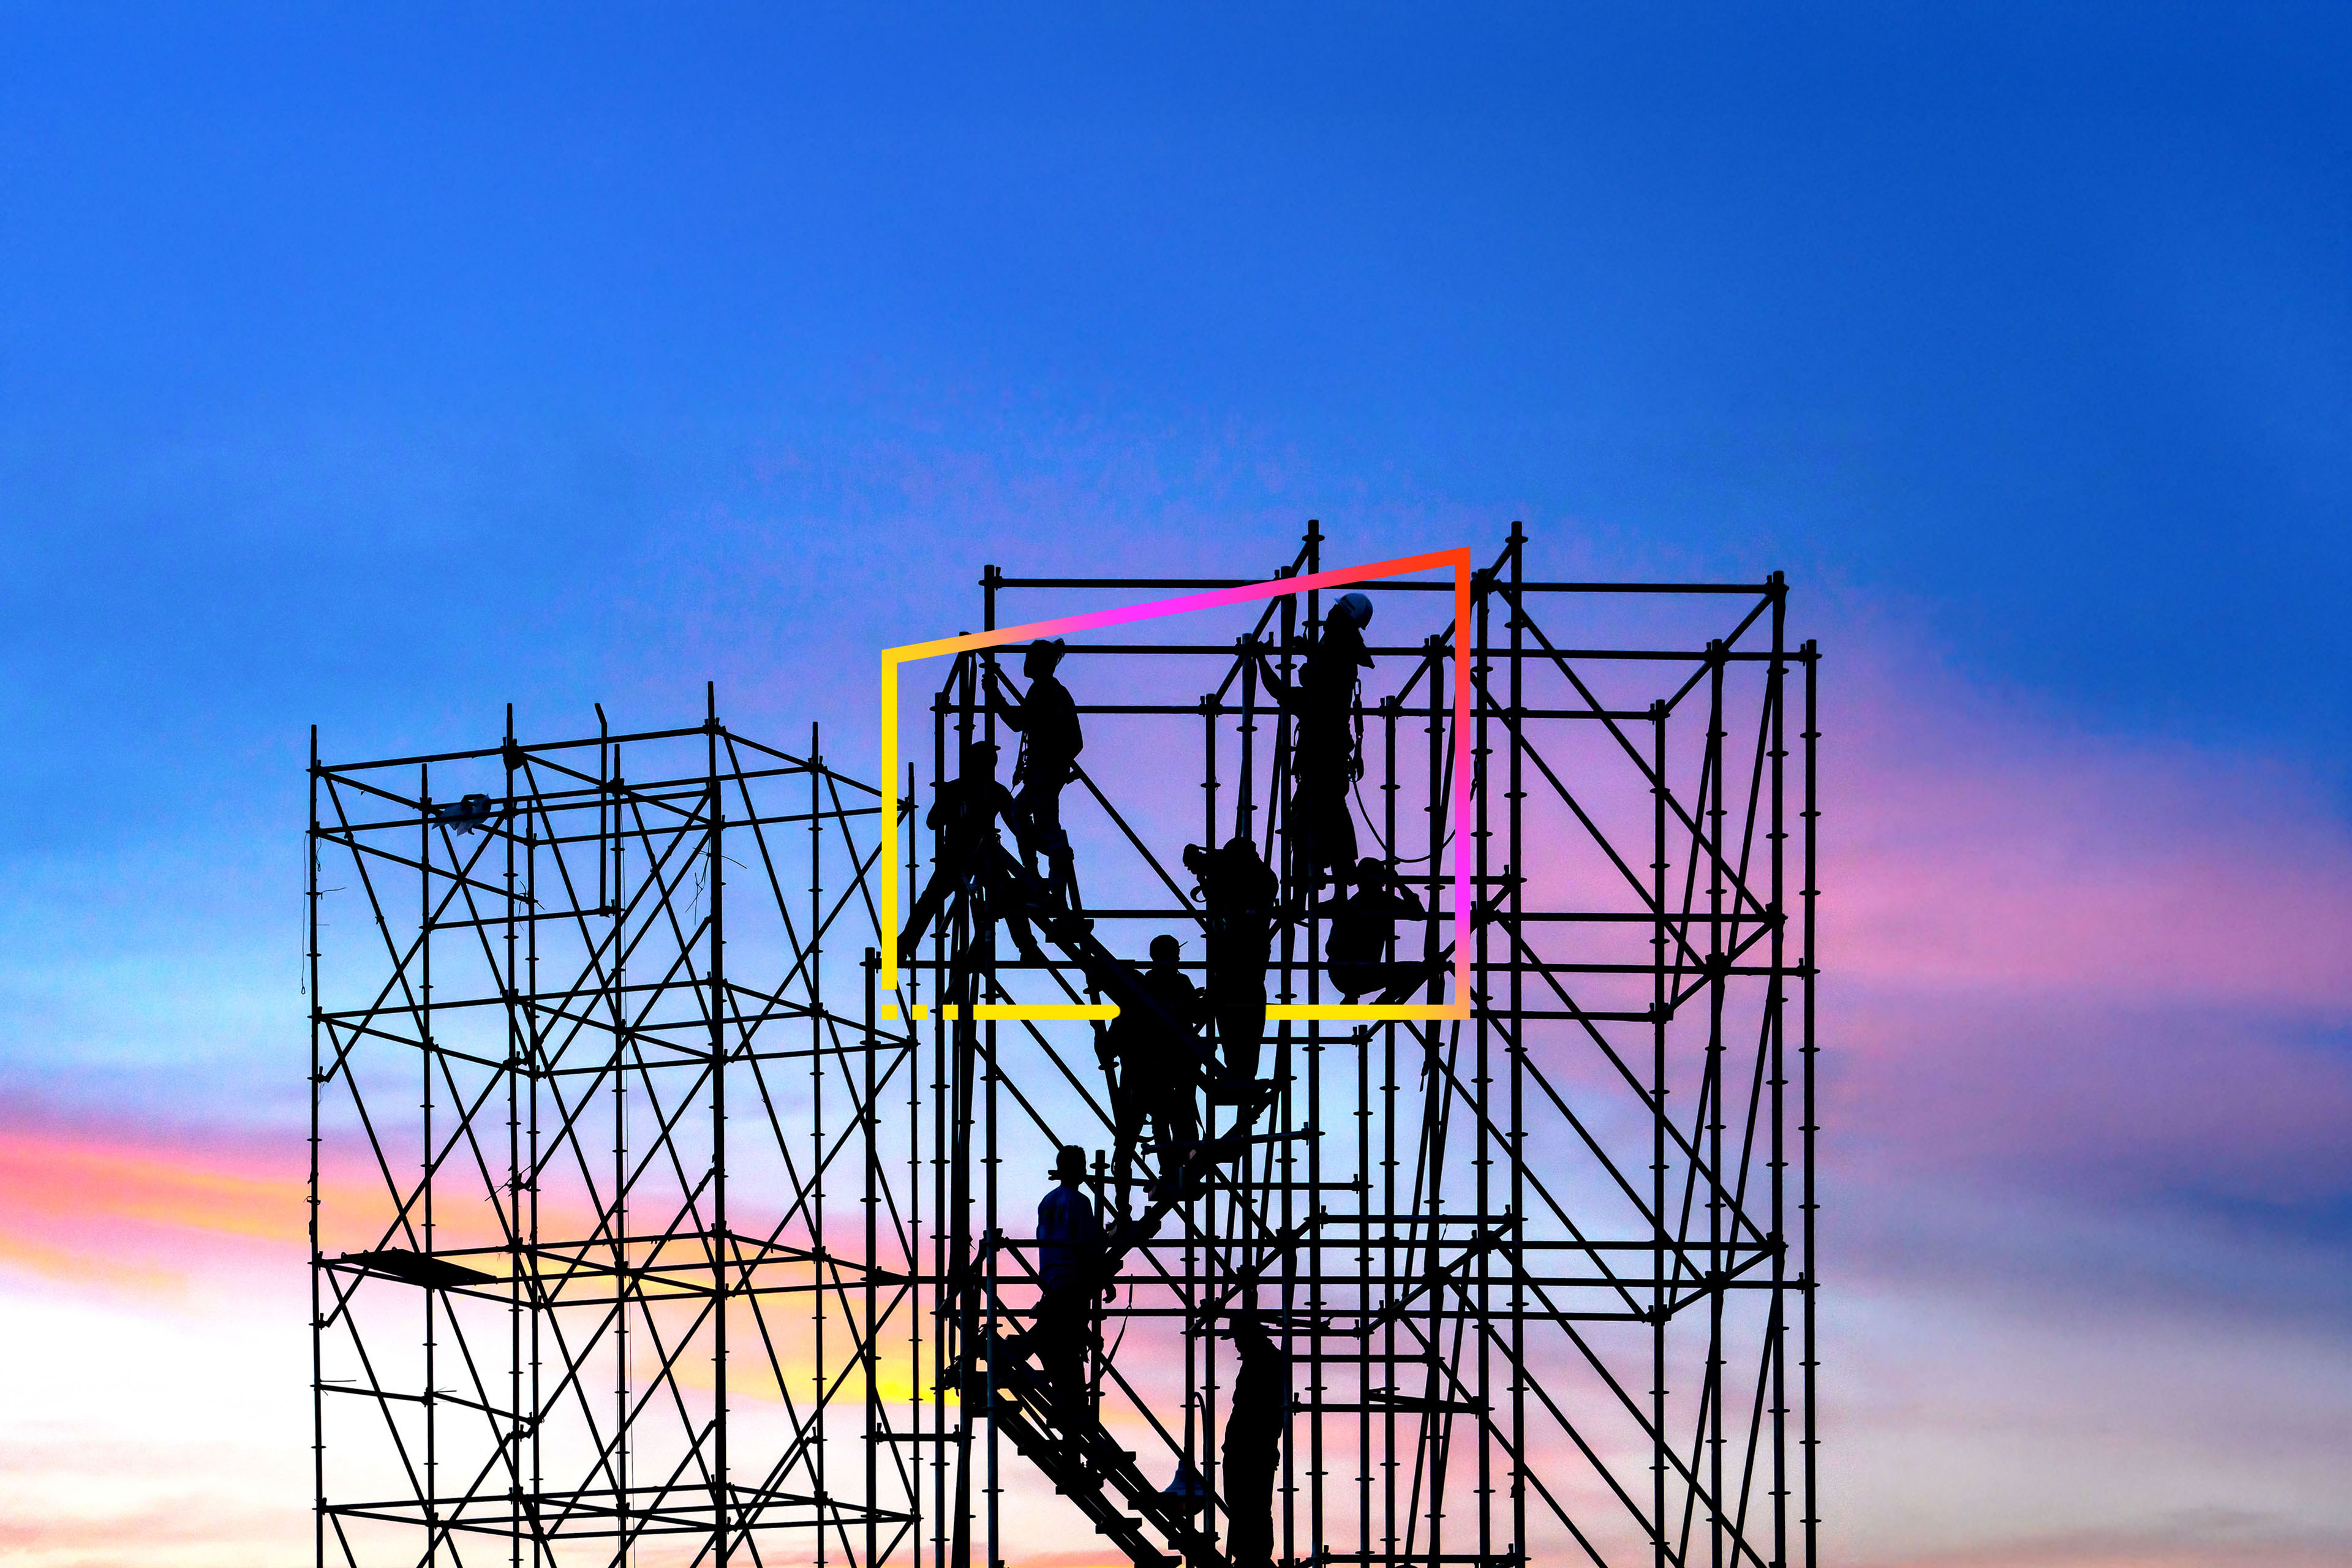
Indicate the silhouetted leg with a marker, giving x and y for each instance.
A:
(1321, 834)
(1039, 832)
(1250, 1009)
(1179, 1125)
(1061, 1343)
(1251, 1458)
(1335, 833)
(1043, 803)
(1007, 898)
(947, 881)
(1238, 994)
(1128, 1112)
(1298, 857)
(1027, 800)
(1169, 1100)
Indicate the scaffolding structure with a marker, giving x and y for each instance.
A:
(1545, 1273)
(580, 1104)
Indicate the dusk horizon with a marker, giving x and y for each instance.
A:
(378, 375)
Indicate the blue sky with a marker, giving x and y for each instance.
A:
(374, 371)
(2037, 323)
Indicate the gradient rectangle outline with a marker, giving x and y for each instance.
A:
(1459, 560)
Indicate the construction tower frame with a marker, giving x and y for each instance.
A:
(631, 1243)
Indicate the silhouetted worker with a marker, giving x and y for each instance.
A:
(1051, 740)
(1253, 1447)
(1356, 943)
(965, 812)
(1069, 1266)
(1239, 892)
(1155, 1074)
(1327, 755)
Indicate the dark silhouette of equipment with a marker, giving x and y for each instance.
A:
(465, 815)
(1239, 893)
(1046, 720)
(418, 1269)
(1186, 1490)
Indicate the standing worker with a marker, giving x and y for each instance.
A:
(1238, 892)
(1326, 756)
(1069, 1268)
(1154, 1073)
(1253, 1447)
(1051, 740)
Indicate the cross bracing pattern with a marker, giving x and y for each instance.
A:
(603, 1235)
(1543, 1275)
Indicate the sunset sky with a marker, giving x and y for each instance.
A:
(374, 373)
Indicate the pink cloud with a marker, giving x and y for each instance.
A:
(2045, 949)
(1967, 845)
(133, 1209)
(2137, 1097)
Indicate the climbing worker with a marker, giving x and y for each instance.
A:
(1356, 943)
(1253, 1447)
(1051, 739)
(1239, 893)
(1326, 754)
(1069, 1269)
(964, 814)
(1154, 1074)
